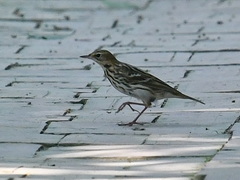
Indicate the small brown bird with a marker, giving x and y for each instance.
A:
(134, 82)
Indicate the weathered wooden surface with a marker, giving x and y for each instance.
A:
(57, 114)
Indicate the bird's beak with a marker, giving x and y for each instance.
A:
(85, 56)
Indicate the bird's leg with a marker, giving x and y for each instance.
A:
(135, 120)
(133, 108)
(129, 104)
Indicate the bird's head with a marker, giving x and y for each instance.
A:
(102, 57)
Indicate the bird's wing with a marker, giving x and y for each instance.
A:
(136, 76)
(139, 79)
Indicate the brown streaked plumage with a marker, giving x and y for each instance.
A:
(134, 82)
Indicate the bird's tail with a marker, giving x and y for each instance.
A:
(188, 97)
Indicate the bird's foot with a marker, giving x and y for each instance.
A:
(121, 107)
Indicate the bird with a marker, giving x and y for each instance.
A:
(134, 82)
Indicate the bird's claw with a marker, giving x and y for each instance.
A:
(120, 108)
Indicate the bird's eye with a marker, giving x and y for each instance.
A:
(98, 55)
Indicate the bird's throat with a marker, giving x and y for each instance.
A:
(107, 66)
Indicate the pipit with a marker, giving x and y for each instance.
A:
(134, 82)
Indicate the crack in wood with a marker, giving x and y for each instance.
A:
(139, 19)
(45, 95)
(77, 95)
(45, 127)
(156, 118)
(50, 121)
(82, 101)
(200, 29)
(236, 91)
(115, 44)
(195, 65)
(186, 74)
(68, 111)
(173, 56)
(200, 40)
(16, 97)
(115, 23)
(164, 103)
(106, 37)
(20, 49)
(228, 130)
(178, 51)
(38, 24)
(32, 82)
(86, 67)
(44, 147)
(18, 13)
(15, 65)
(190, 57)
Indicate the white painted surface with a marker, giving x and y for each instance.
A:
(48, 132)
